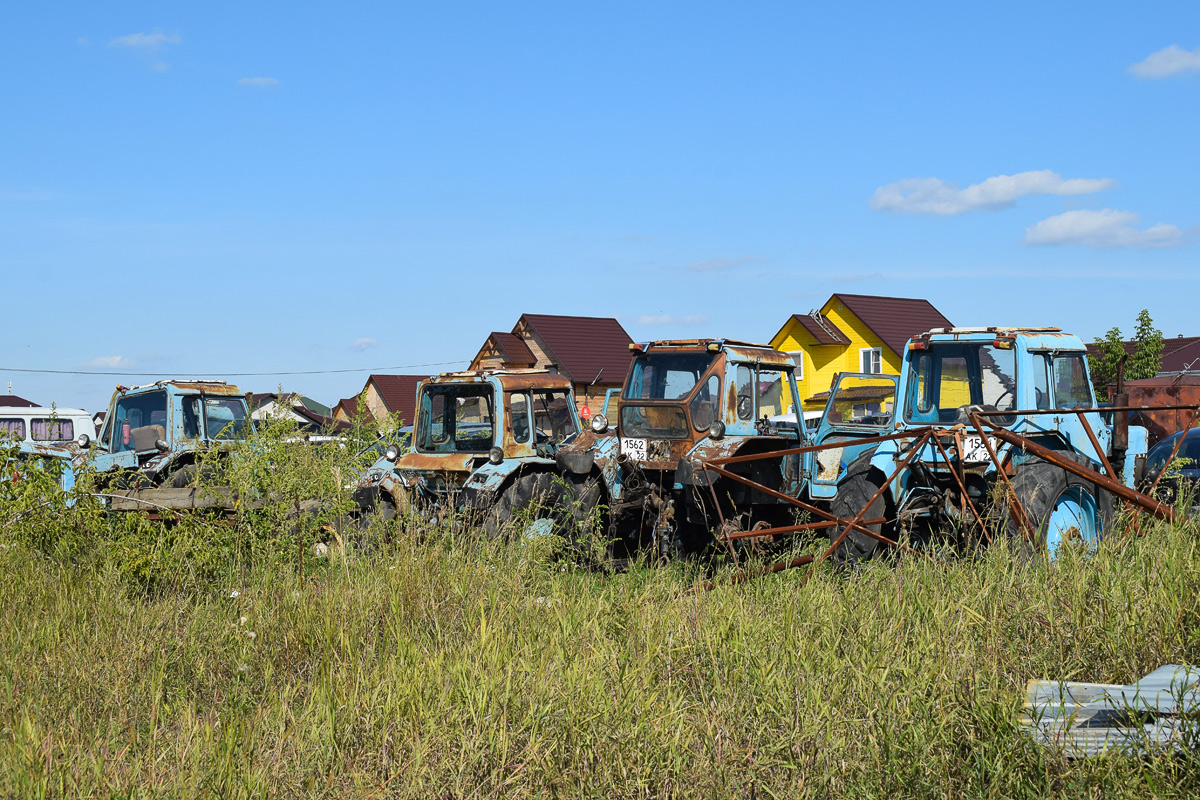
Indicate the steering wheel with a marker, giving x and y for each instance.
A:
(1007, 393)
(743, 406)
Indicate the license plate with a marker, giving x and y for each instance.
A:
(973, 449)
(634, 448)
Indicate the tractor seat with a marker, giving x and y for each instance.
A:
(145, 437)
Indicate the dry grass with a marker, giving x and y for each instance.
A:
(452, 669)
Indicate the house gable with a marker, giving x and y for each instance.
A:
(833, 338)
(585, 349)
(392, 394)
(504, 351)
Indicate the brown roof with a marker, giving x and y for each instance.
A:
(894, 320)
(319, 422)
(13, 401)
(399, 393)
(1179, 355)
(582, 347)
(821, 328)
(513, 348)
(856, 393)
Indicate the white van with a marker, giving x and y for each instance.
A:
(46, 425)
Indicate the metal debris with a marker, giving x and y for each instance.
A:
(1159, 713)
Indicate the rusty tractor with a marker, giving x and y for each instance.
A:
(640, 485)
(484, 444)
(153, 434)
(149, 448)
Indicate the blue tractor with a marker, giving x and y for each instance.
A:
(483, 443)
(917, 454)
(153, 435)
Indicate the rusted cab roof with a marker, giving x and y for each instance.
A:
(508, 379)
(738, 351)
(1034, 338)
(207, 387)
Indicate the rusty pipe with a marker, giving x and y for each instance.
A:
(809, 526)
(742, 577)
(911, 433)
(1151, 505)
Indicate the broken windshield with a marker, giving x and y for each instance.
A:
(949, 377)
(455, 419)
(666, 376)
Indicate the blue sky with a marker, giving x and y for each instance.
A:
(274, 187)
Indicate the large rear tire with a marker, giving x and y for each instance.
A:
(534, 504)
(1061, 506)
(853, 493)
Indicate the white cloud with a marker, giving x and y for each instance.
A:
(82, 41)
(667, 319)
(717, 264)
(1104, 228)
(107, 362)
(145, 41)
(150, 44)
(364, 344)
(261, 83)
(935, 196)
(1169, 61)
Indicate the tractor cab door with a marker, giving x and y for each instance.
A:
(611, 398)
(860, 406)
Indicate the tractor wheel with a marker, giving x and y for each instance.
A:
(533, 505)
(382, 509)
(383, 513)
(591, 533)
(853, 493)
(1061, 506)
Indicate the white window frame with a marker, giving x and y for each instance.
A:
(797, 357)
(875, 360)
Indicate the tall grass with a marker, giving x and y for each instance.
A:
(439, 666)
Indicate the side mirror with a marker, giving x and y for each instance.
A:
(161, 446)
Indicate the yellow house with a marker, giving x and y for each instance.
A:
(851, 333)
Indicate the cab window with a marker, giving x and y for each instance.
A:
(518, 409)
(1071, 387)
(706, 405)
(134, 417)
(552, 417)
(769, 392)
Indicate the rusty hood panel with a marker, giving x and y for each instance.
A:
(439, 462)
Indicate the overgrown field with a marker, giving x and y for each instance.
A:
(440, 666)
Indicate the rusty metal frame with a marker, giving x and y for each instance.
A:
(1105, 479)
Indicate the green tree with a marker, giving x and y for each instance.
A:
(1148, 349)
(1103, 364)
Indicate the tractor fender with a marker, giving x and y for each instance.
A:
(576, 463)
(1135, 456)
(875, 459)
(486, 483)
(592, 455)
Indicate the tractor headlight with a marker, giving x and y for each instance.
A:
(716, 430)
(599, 423)
(393, 452)
(495, 455)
